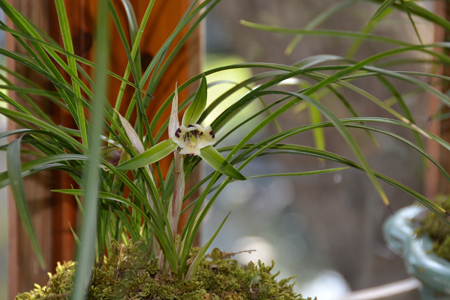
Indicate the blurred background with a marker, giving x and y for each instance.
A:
(326, 229)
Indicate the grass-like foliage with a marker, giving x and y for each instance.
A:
(123, 193)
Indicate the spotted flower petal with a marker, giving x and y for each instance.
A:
(193, 138)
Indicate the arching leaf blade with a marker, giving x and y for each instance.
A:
(201, 254)
(152, 155)
(307, 173)
(14, 171)
(195, 110)
(215, 160)
(385, 6)
(317, 21)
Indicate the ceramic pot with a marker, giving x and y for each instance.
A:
(416, 251)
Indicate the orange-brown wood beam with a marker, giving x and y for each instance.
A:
(435, 183)
(52, 223)
(444, 159)
(23, 266)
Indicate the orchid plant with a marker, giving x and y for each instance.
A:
(128, 197)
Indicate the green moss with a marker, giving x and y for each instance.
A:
(438, 229)
(128, 274)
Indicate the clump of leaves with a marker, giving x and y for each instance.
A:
(438, 229)
(127, 273)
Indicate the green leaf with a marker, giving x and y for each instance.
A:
(199, 257)
(86, 253)
(68, 45)
(345, 134)
(152, 155)
(319, 135)
(396, 94)
(317, 21)
(149, 217)
(47, 162)
(352, 111)
(386, 5)
(422, 12)
(75, 236)
(405, 6)
(303, 150)
(215, 160)
(134, 51)
(134, 30)
(196, 11)
(14, 173)
(366, 30)
(351, 142)
(348, 122)
(298, 173)
(195, 110)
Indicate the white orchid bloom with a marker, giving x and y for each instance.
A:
(193, 138)
(187, 139)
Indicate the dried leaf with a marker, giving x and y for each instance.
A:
(132, 135)
(174, 122)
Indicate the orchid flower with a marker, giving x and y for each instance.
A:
(191, 138)
(112, 154)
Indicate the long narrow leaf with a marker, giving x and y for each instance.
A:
(88, 231)
(215, 160)
(386, 5)
(317, 21)
(67, 40)
(14, 172)
(405, 6)
(422, 12)
(297, 173)
(197, 107)
(152, 155)
(201, 254)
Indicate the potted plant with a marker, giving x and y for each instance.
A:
(128, 243)
(422, 240)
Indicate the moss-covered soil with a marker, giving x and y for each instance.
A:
(128, 274)
(438, 229)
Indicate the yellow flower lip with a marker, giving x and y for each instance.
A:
(193, 138)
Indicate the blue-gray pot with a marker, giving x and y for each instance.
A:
(399, 233)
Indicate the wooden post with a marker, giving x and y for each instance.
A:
(435, 182)
(444, 159)
(52, 213)
(23, 267)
